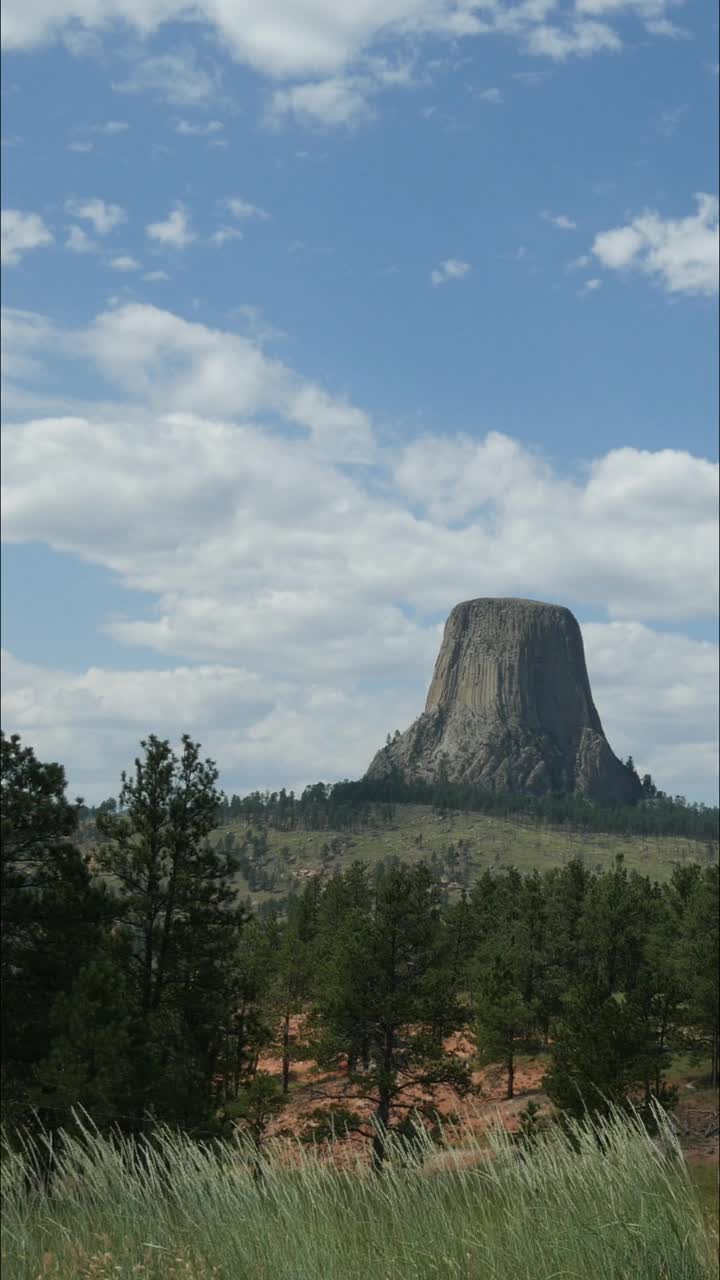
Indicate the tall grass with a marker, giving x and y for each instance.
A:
(606, 1205)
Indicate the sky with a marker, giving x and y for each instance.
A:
(320, 316)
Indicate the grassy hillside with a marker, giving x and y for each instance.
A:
(474, 842)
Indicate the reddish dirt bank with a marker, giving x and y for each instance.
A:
(314, 1090)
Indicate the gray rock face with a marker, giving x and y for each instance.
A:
(510, 708)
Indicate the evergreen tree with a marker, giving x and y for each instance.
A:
(89, 1065)
(505, 1019)
(699, 960)
(53, 917)
(599, 1052)
(378, 975)
(176, 901)
(292, 971)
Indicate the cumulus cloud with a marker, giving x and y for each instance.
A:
(579, 39)
(104, 217)
(219, 487)
(327, 62)
(78, 241)
(656, 693)
(242, 209)
(223, 234)
(23, 333)
(281, 39)
(20, 233)
(124, 262)
(256, 729)
(338, 100)
(450, 269)
(681, 253)
(559, 220)
(175, 231)
(175, 77)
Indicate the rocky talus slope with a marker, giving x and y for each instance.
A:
(510, 708)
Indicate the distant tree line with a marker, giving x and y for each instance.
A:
(340, 805)
(136, 985)
(370, 802)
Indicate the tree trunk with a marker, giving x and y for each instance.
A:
(382, 1115)
(511, 1075)
(715, 1069)
(286, 1052)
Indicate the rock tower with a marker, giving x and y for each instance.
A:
(510, 708)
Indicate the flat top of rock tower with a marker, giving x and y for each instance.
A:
(506, 602)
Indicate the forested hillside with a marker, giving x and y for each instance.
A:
(139, 982)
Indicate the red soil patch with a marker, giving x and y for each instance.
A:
(315, 1090)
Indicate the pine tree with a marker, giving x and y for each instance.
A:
(53, 917)
(175, 900)
(89, 1065)
(699, 960)
(599, 1052)
(378, 979)
(505, 1019)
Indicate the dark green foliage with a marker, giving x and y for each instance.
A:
(358, 804)
(90, 1063)
(139, 989)
(53, 916)
(699, 967)
(377, 1003)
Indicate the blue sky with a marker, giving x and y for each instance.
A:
(319, 318)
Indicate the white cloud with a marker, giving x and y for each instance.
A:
(81, 146)
(590, 286)
(79, 241)
(174, 77)
(256, 729)
(199, 130)
(445, 516)
(280, 39)
(153, 276)
(450, 269)
(656, 693)
(22, 333)
(493, 96)
(240, 208)
(104, 217)
(577, 264)
(659, 698)
(124, 263)
(580, 39)
(178, 365)
(21, 232)
(312, 594)
(338, 100)
(224, 234)
(111, 127)
(682, 253)
(559, 220)
(174, 231)
(327, 61)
